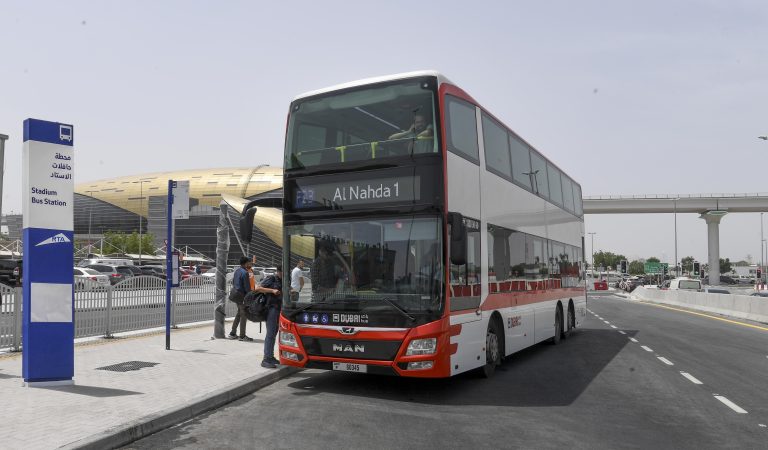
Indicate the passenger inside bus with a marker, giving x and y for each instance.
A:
(421, 134)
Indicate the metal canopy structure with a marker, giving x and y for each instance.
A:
(711, 207)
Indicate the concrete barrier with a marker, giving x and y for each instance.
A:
(739, 306)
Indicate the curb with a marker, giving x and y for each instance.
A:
(726, 314)
(132, 431)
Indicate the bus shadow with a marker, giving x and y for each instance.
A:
(542, 375)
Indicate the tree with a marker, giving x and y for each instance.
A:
(687, 263)
(653, 259)
(636, 267)
(725, 265)
(119, 242)
(607, 259)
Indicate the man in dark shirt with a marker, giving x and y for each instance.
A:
(272, 286)
(242, 285)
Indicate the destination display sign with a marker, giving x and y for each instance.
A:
(344, 194)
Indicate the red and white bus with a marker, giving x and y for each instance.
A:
(437, 240)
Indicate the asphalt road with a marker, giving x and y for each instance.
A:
(598, 389)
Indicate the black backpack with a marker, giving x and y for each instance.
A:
(255, 306)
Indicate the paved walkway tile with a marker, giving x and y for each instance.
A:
(102, 399)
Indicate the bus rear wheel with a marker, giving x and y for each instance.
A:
(570, 322)
(558, 325)
(493, 349)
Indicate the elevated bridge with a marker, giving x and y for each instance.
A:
(710, 207)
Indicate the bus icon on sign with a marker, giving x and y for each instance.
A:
(65, 133)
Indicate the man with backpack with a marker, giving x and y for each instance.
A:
(272, 287)
(241, 285)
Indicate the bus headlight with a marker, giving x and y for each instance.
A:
(426, 346)
(288, 339)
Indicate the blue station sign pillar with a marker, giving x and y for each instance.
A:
(47, 186)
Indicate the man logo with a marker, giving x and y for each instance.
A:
(347, 330)
(348, 348)
(58, 239)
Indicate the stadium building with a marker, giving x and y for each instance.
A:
(138, 203)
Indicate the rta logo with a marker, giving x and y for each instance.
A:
(60, 238)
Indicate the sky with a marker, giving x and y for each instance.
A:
(652, 97)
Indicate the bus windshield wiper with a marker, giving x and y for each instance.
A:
(399, 308)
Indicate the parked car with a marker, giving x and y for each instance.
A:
(137, 272)
(86, 278)
(712, 290)
(631, 283)
(149, 271)
(10, 270)
(687, 284)
(115, 276)
(724, 279)
(158, 271)
(105, 261)
(185, 274)
(743, 279)
(212, 272)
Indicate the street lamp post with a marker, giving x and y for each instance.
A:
(90, 215)
(3, 138)
(592, 235)
(677, 274)
(141, 205)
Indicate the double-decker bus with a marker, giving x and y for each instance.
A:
(437, 240)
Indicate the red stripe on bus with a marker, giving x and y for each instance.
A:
(507, 299)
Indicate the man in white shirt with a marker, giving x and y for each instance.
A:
(297, 280)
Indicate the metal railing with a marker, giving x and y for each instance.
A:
(136, 303)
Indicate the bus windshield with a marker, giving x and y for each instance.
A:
(367, 124)
(369, 262)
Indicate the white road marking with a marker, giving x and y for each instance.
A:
(622, 332)
(633, 340)
(646, 348)
(665, 361)
(762, 425)
(691, 378)
(730, 404)
(614, 326)
(606, 322)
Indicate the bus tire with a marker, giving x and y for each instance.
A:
(570, 322)
(558, 324)
(494, 346)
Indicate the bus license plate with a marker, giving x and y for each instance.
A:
(349, 367)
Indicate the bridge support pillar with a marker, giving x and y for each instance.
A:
(713, 243)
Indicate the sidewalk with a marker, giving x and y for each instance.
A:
(197, 374)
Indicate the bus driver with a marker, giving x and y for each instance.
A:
(419, 132)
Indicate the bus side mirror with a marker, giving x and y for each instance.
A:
(246, 224)
(458, 239)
